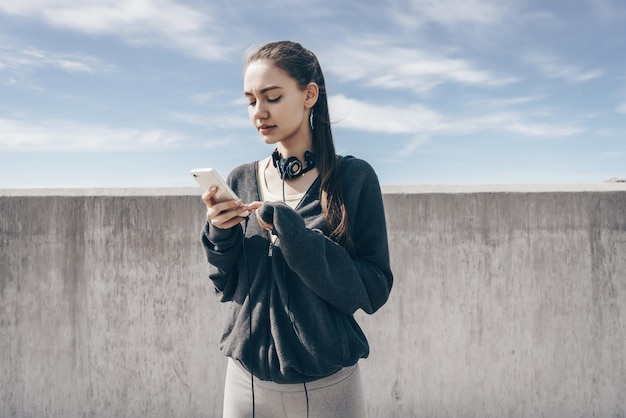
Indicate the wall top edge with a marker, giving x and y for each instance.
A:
(118, 191)
(386, 189)
(503, 188)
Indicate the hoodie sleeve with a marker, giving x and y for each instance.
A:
(347, 282)
(223, 247)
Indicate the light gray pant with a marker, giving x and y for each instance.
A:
(338, 395)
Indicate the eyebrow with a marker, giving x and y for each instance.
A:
(263, 91)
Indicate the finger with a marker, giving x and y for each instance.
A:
(228, 224)
(222, 214)
(236, 205)
(207, 197)
(263, 224)
(254, 205)
(224, 220)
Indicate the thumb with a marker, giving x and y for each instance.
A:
(266, 212)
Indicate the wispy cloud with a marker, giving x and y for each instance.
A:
(411, 146)
(19, 58)
(225, 121)
(65, 135)
(499, 103)
(511, 122)
(621, 108)
(220, 98)
(381, 65)
(554, 67)
(162, 22)
(607, 9)
(451, 13)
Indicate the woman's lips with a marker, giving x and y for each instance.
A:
(266, 129)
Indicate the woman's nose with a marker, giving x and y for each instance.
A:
(259, 111)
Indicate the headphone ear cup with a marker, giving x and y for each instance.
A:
(292, 167)
(276, 158)
(309, 159)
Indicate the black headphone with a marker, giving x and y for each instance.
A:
(292, 167)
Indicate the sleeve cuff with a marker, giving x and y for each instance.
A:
(217, 235)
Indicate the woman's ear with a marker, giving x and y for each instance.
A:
(312, 93)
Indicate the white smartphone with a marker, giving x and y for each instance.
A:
(209, 177)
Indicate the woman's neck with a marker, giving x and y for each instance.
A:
(296, 148)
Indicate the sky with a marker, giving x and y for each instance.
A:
(136, 93)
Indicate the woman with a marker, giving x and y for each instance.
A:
(315, 252)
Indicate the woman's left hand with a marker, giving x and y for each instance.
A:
(263, 224)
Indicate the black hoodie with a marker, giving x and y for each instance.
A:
(291, 318)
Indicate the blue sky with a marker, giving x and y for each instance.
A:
(135, 93)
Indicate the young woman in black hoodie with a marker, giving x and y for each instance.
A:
(295, 262)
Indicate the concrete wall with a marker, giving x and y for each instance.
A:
(508, 301)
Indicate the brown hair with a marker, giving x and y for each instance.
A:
(302, 65)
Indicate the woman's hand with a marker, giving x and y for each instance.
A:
(224, 215)
(277, 217)
(267, 223)
(263, 224)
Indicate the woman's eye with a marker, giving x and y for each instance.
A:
(251, 103)
(273, 100)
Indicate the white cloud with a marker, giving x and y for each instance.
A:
(621, 108)
(65, 135)
(356, 115)
(553, 67)
(161, 22)
(381, 65)
(419, 121)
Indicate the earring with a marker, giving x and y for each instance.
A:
(311, 119)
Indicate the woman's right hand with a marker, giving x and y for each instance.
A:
(224, 215)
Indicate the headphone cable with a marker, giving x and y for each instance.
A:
(282, 176)
(250, 350)
(293, 326)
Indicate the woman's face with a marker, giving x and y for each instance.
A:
(277, 107)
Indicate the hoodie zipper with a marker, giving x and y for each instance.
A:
(270, 250)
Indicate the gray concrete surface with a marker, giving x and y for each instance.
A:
(509, 301)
